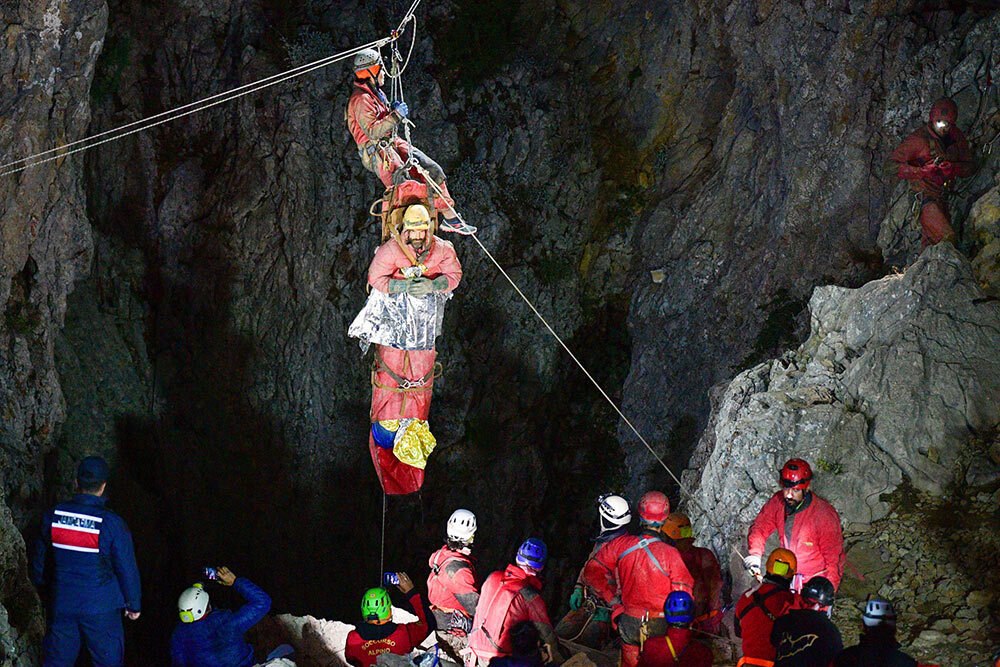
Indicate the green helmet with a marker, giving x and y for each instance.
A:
(375, 605)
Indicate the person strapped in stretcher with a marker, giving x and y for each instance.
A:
(412, 276)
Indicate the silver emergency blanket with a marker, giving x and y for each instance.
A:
(402, 321)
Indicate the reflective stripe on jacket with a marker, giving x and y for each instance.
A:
(84, 555)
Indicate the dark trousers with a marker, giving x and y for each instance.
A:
(102, 634)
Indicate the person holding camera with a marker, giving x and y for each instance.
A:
(378, 634)
(207, 636)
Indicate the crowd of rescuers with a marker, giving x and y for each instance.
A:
(651, 592)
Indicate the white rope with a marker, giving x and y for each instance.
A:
(381, 558)
(628, 422)
(180, 112)
(409, 15)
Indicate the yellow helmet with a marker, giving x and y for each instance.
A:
(416, 217)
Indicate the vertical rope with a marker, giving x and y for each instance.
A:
(381, 561)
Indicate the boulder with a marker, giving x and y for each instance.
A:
(894, 379)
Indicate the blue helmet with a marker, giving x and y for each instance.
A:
(532, 553)
(678, 607)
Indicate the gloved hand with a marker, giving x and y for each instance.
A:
(752, 564)
(420, 287)
(602, 615)
(949, 170)
(576, 599)
(932, 173)
(401, 109)
(440, 284)
(399, 286)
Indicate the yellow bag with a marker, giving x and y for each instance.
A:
(414, 442)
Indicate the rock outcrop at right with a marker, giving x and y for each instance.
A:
(896, 381)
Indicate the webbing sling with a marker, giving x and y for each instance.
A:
(644, 545)
(757, 600)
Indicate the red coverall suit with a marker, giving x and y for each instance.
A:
(916, 156)
(507, 598)
(812, 533)
(755, 613)
(704, 567)
(451, 585)
(643, 569)
(389, 401)
(368, 641)
(371, 122)
(679, 648)
(580, 625)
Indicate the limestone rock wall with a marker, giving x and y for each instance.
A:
(46, 66)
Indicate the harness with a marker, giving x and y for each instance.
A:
(371, 147)
(644, 545)
(757, 600)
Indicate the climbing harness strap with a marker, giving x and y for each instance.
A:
(404, 383)
(644, 545)
(757, 600)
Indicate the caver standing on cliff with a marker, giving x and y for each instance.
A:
(378, 634)
(85, 569)
(806, 524)
(636, 573)
(931, 159)
(373, 123)
(589, 619)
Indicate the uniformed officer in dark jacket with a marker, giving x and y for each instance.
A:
(84, 566)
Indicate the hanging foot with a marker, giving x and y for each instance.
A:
(457, 226)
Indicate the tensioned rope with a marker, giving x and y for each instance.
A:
(423, 172)
(143, 124)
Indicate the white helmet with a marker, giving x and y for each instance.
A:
(879, 612)
(614, 512)
(366, 58)
(192, 604)
(461, 526)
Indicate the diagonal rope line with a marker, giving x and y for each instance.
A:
(231, 95)
(628, 422)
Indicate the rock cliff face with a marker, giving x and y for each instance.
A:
(898, 380)
(737, 148)
(46, 67)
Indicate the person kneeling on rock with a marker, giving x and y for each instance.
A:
(878, 646)
(207, 636)
(378, 634)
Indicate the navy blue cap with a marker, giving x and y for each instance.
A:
(93, 470)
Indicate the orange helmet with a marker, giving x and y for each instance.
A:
(782, 563)
(677, 527)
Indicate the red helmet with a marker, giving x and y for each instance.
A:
(654, 508)
(944, 109)
(796, 474)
